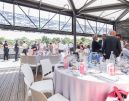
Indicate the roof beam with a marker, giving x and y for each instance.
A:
(122, 15)
(43, 6)
(104, 7)
(94, 18)
(72, 6)
(49, 31)
(124, 1)
(54, 9)
(85, 5)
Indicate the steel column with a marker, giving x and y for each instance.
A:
(13, 15)
(114, 26)
(39, 13)
(74, 30)
(59, 21)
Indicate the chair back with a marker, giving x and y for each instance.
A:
(38, 96)
(33, 60)
(27, 71)
(27, 83)
(23, 59)
(55, 59)
(46, 66)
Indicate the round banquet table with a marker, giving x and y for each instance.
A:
(87, 87)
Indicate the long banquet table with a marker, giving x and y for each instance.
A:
(87, 87)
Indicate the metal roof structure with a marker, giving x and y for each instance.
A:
(101, 10)
(104, 11)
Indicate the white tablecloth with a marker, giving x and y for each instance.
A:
(85, 88)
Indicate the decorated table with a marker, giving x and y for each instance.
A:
(87, 87)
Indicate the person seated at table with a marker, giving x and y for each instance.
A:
(81, 51)
(95, 45)
(34, 47)
(125, 51)
(30, 52)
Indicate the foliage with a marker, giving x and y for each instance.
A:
(56, 40)
(66, 40)
(47, 40)
(84, 40)
(2, 40)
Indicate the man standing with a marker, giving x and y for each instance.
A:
(6, 50)
(111, 43)
(102, 40)
(25, 48)
(16, 49)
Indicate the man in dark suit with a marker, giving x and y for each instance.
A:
(102, 40)
(6, 50)
(16, 49)
(111, 43)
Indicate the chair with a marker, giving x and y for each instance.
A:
(28, 92)
(46, 69)
(45, 86)
(39, 96)
(55, 59)
(34, 62)
(23, 59)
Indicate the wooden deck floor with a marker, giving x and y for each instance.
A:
(12, 87)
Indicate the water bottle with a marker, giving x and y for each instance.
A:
(89, 59)
(112, 58)
(82, 68)
(66, 62)
(111, 65)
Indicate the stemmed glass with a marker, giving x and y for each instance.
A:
(123, 64)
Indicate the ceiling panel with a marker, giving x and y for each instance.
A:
(58, 3)
(79, 3)
(108, 14)
(125, 17)
(103, 2)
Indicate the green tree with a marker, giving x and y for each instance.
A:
(66, 40)
(56, 40)
(45, 40)
(10, 42)
(2, 39)
(84, 40)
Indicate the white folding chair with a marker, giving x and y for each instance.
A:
(39, 96)
(34, 62)
(46, 69)
(45, 86)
